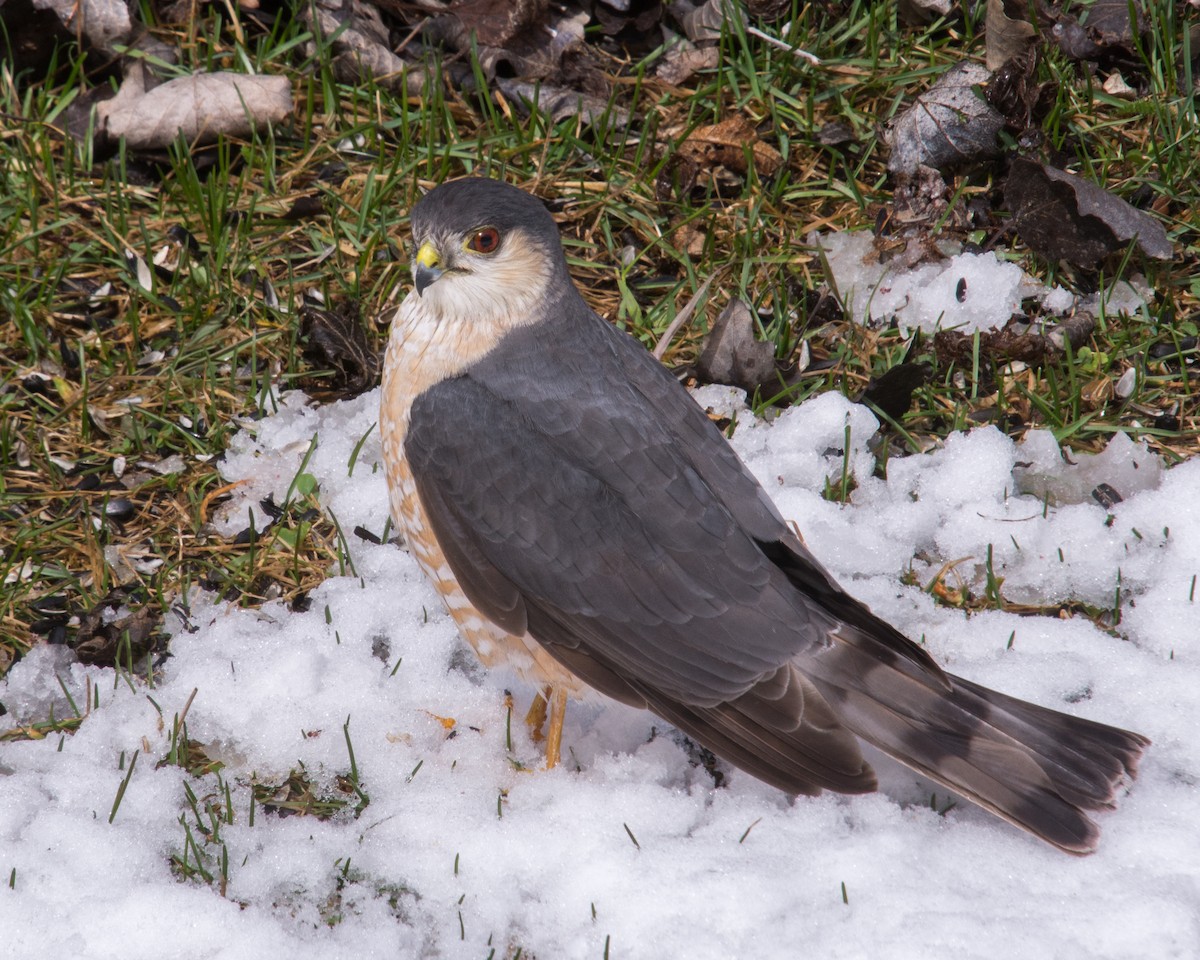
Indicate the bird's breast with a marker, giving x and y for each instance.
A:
(423, 350)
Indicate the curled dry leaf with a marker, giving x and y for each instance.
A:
(1009, 32)
(724, 145)
(1064, 217)
(924, 11)
(1016, 93)
(1105, 30)
(361, 45)
(103, 23)
(683, 60)
(708, 19)
(200, 108)
(733, 353)
(1017, 341)
(893, 390)
(336, 338)
(559, 103)
(947, 125)
(112, 627)
(496, 23)
(526, 39)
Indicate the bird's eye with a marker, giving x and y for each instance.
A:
(485, 240)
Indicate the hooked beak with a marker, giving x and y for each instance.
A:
(426, 266)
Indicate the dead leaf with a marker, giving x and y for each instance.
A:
(1063, 217)
(708, 19)
(618, 18)
(724, 145)
(949, 124)
(733, 353)
(892, 391)
(106, 629)
(1008, 30)
(361, 45)
(103, 23)
(337, 339)
(496, 23)
(689, 237)
(559, 103)
(1105, 30)
(1015, 92)
(683, 60)
(924, 11)
(199, 108)
(526, 40)
(1016, 342)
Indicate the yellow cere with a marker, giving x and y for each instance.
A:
(427, 256)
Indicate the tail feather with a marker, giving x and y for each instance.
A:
(1037, 768)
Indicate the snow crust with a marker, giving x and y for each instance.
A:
(462, 852)
(963, 291)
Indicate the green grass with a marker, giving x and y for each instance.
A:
(102, 375)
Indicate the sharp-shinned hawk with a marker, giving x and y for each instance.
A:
(585, 521)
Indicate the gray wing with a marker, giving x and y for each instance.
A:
(605, 525)
(581, 496)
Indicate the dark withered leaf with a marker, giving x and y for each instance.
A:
(1015, 92)
(1106, 495)
(1105, 30)
(1064, 217)
(836, 133)
(734, 355)
(100, 637)
(948, 125)
(496, 23)
(305, 208)
(336, 338)
(893, 391)
(559, 103)
(1015, 342)
(1009, 32)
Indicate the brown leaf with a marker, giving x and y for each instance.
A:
(496, 23)
(1063, 217)
(682, 61)
(1015, 92)
(892, 391)
(924, 11)
(528, 41)
(338, 339)
(104, 630)
(734, 355)
(1105, 31)
(361, 45)
(103, 23)
(1015, 342)
(1009, 32)
(199, 108)
(724, 145)
(558, 103)
(706, 21)
(949, 124)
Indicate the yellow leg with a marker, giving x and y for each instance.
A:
(558, 713)
(535, 719)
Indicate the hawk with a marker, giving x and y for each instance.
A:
(586, 523)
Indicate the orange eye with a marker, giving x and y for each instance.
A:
(485, 240)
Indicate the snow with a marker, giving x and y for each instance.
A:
(463, 852)
(961, 291)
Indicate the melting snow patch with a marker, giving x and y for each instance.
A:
(461, 852)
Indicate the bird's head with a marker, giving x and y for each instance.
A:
(484, 248)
